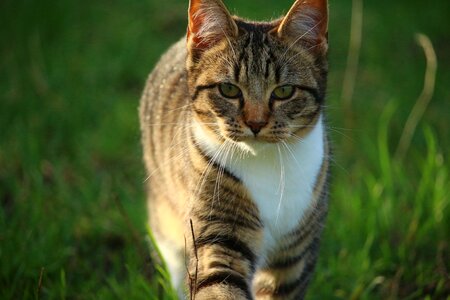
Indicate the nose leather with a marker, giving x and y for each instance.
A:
(256, 126)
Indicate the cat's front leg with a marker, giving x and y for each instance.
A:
(222, 260)
(289, 268)
(287, 281)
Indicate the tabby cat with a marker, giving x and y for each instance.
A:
(237, 154)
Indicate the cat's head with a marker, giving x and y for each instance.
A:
(261, 81)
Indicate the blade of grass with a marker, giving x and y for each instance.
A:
(354, 48)
(424, 98)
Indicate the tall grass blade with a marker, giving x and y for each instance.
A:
(424, 98)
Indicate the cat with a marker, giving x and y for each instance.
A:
(236, 152)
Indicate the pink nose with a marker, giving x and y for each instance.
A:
(256, 126)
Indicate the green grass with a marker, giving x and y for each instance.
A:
(71, 177)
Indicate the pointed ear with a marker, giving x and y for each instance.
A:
(307, 20)
(209, 22)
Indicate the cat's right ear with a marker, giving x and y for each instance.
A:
(209, 22)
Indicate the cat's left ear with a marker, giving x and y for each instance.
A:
(209, 22)
(306, 21)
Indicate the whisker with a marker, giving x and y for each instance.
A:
(302, 36)
(326, 155)
(222, 163)
(187, 124)
(207, 170)
(290, 151)
(183, 151)
(329, 128)
(180, 108)
(282, 182)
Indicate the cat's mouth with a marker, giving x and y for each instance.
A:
(259, 138)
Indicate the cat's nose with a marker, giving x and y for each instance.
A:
(256, 126)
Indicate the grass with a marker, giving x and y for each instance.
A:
(72, 208)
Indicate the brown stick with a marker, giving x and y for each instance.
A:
(39, 287)
(354, 48)
(192, 279)
(194, 290)
(424, 98)
(187, 270)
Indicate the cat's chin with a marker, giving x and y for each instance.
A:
(255, 146)
(252, 147)
(260, 139)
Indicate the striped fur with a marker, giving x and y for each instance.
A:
(256, 199)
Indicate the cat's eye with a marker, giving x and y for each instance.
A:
(283, 92)
(229, 90)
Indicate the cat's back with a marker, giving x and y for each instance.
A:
(162, 102)
(166, 84)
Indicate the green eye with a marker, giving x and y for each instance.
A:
(283, 92)
(229, 90)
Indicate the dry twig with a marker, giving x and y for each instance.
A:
(354, 48)
(424, 98)
(39, 287)
(193, 279)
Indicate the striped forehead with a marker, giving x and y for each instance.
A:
(255, 61)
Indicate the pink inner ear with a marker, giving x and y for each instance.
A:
(209, 21)
(195, 22)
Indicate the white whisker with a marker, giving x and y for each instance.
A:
(187, 124)
(301, 37)
(291, 153)
(281, 184)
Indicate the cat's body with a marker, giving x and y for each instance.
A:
(247, 167)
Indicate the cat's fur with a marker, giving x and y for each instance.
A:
(249, 173)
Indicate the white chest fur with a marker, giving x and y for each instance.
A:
(280, 178)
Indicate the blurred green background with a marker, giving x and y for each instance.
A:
(72, 208)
